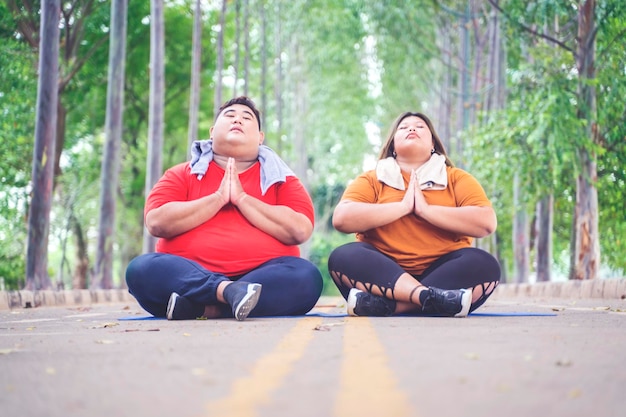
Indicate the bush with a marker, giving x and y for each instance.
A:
(322, 245)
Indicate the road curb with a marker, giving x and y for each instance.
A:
(613, 289)
(50, 298)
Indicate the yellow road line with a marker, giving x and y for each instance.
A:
(249, 393)
(368, 387)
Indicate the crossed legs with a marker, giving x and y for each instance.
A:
(291, 285)
(360, 265)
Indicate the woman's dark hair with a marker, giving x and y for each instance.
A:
(389, 148)
(246, 101)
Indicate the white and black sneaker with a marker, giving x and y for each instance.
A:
(180, 308)
(447, 303)
(361, 303)
(242, 297)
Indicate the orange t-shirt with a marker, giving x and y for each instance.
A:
(227, 243)
(413, 243)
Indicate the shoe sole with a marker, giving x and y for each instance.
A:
(248, 302)
(466, 303)
(170, 306)
(351, 301)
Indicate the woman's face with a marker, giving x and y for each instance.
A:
(413, 139)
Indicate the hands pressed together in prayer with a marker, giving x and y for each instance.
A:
(414, 200)
(231, 190)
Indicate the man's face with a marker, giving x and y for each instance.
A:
(236, 133)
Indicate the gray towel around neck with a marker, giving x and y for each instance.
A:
(273, 169)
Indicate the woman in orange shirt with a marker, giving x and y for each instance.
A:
(415, 217)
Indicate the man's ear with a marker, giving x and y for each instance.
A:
(261, 138)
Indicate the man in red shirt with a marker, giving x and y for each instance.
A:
(229, 224)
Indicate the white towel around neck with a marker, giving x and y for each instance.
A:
(432, 175)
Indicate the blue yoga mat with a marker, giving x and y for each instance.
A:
(319, 314)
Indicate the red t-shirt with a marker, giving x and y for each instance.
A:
(227, 243)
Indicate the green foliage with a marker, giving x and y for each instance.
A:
(612, 135)
(321, 247)
(18, 95)
(533, 138)
(12, 238)
(352, 66)
(407, 51)
(538, 134)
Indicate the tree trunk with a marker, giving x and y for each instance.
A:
(463, 75)
(300, 166)
(109, 175)
(194, 96)
(246, 48)
(545, 208)
(37, 277)
(587, 244)
(495, 73)
(478, 70)
(237, 45)
(278, 84)
(157, 98)
(219, 66)
(445, 111)
(520, 236)
(60, 137)
(81, 269)
(263, 93)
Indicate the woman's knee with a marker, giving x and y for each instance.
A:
(343, 253)
(491, 266)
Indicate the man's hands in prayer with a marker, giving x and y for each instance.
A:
(230, 189)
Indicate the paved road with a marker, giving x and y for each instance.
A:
(521, 357)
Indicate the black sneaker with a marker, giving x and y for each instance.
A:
(362, 303)
(180, 308)
(242, 297)
(447, 303)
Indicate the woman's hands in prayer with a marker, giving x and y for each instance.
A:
(414, 200)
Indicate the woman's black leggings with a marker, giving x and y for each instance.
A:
(463, 268)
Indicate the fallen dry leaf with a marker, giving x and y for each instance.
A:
(105, 325)
(564, 362)
(575, 393)
(326, 327)
(80, 308)
(142, 330)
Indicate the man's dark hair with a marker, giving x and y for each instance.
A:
(246, 101)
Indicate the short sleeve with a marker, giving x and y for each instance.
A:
(363, 189)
